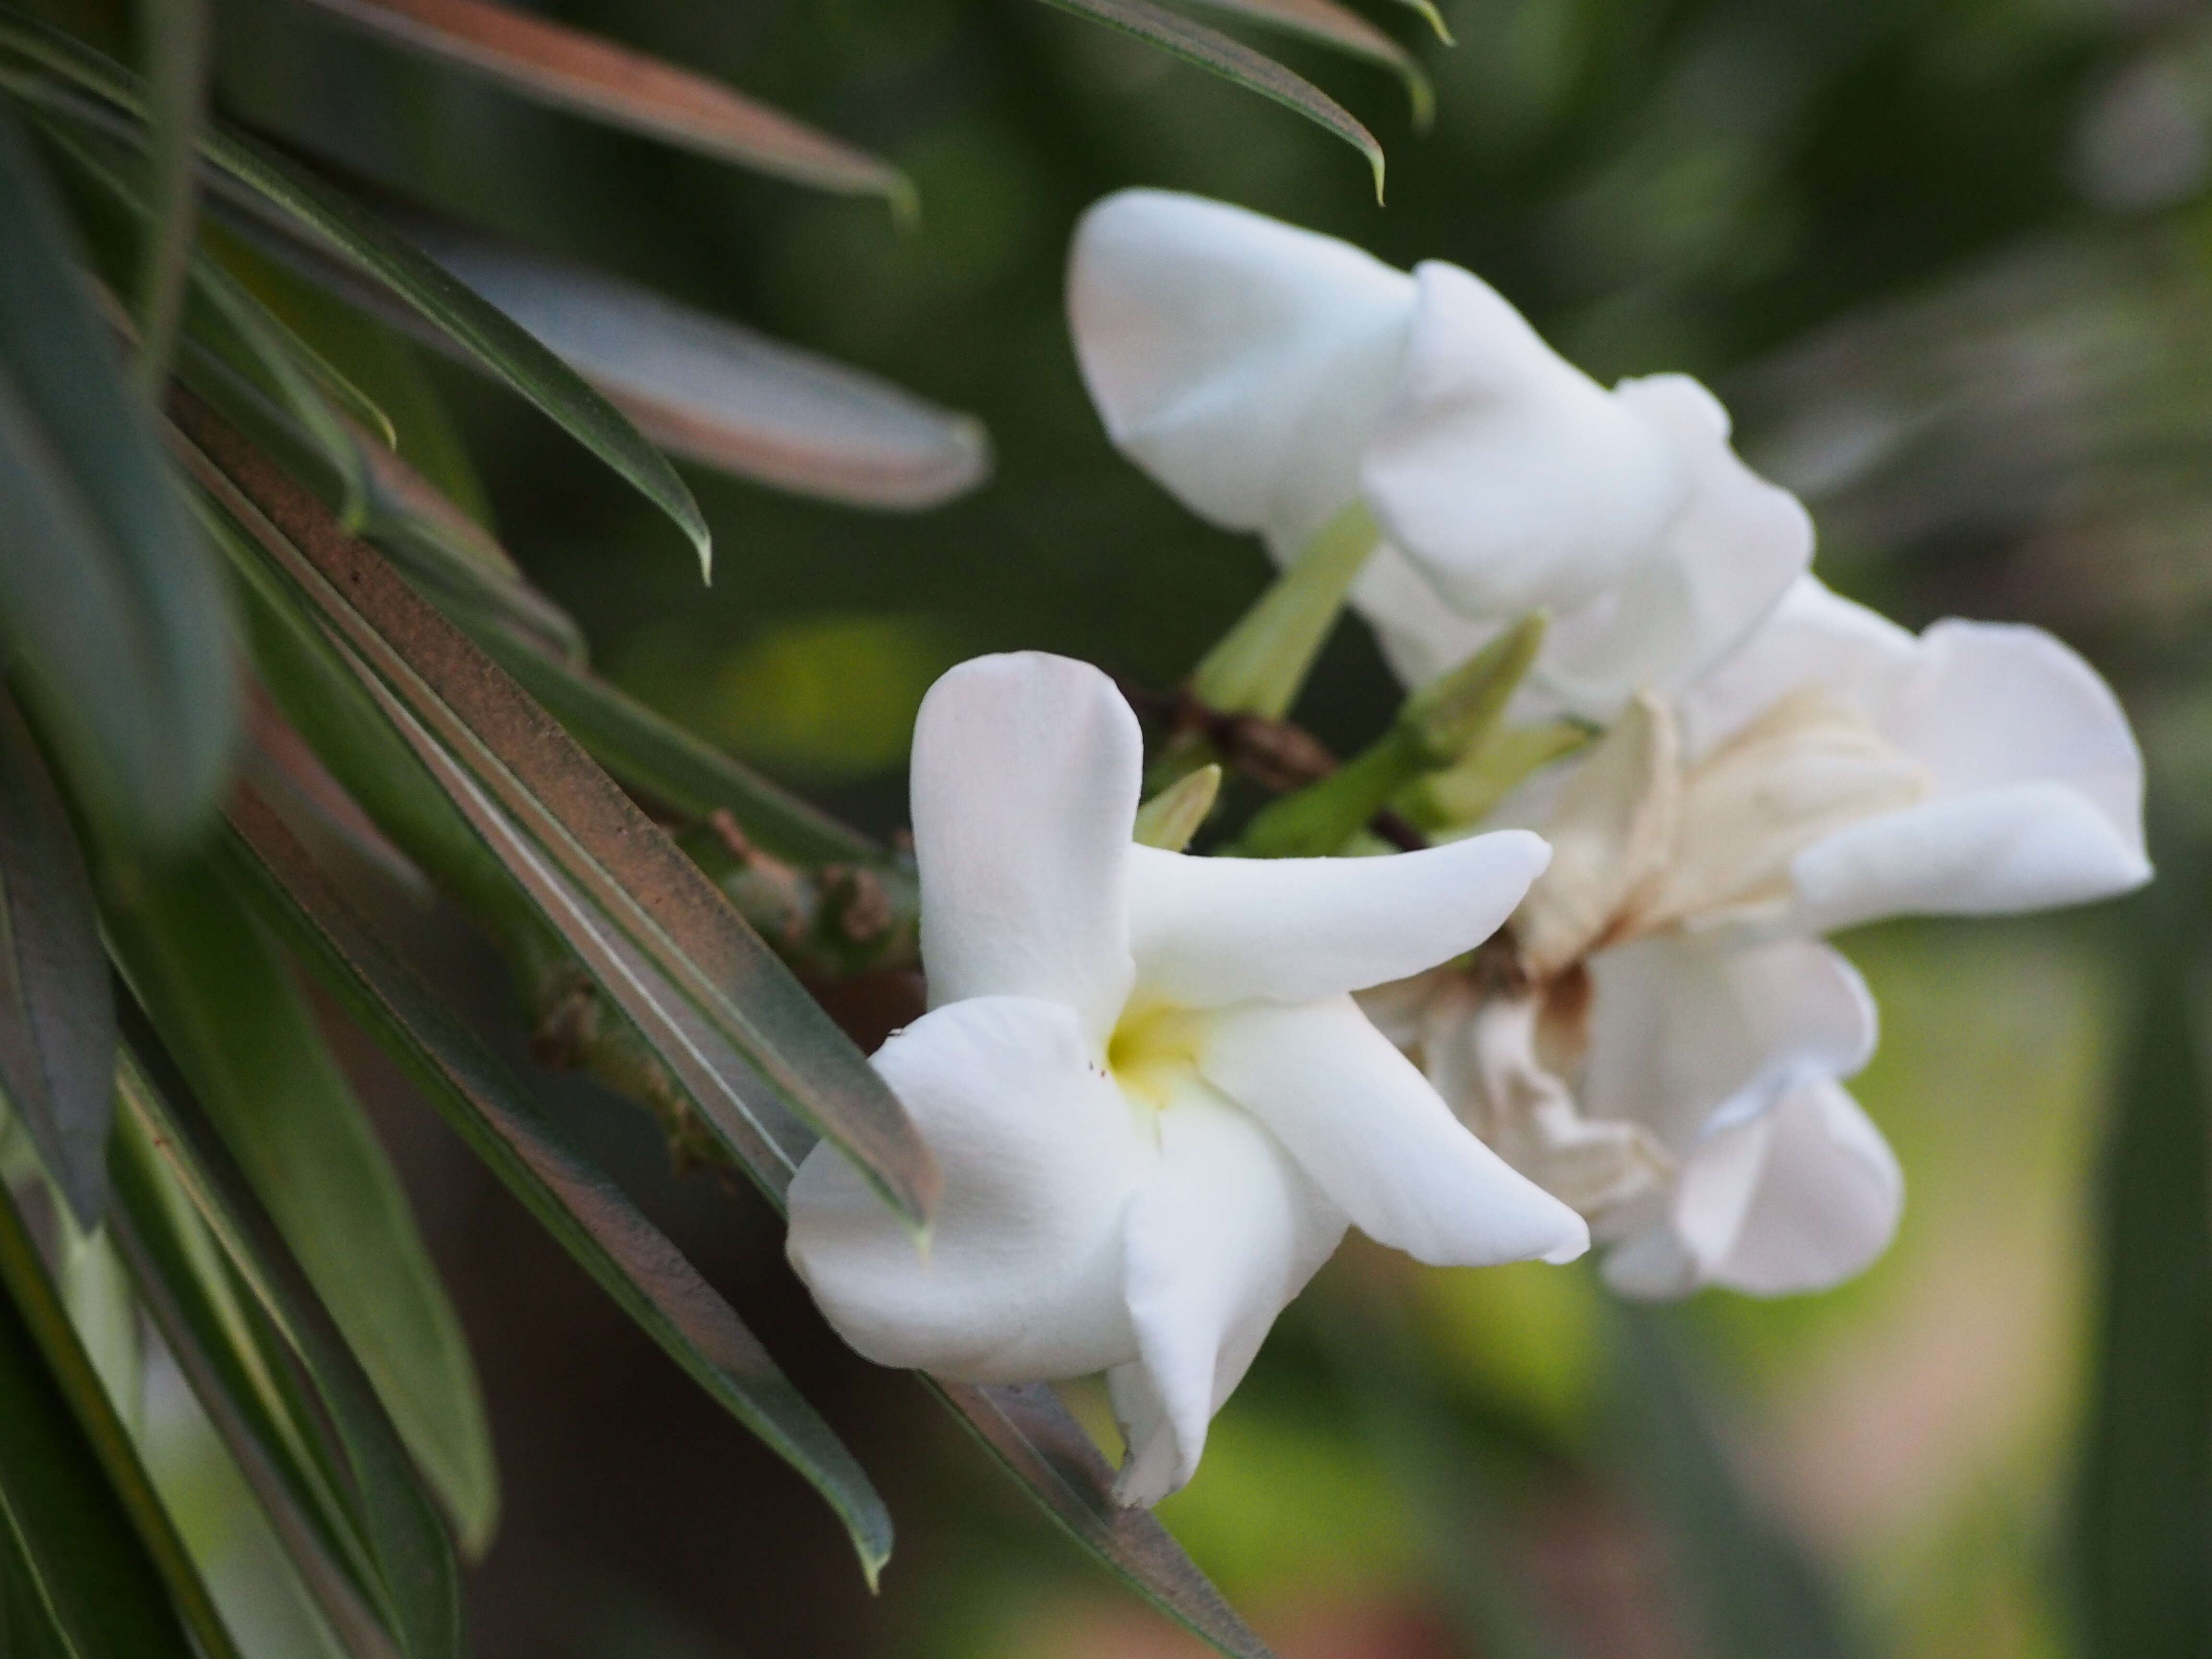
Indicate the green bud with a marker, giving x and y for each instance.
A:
(1466, 792)
(1451, 718)
(1260, 665)
(1171, 818)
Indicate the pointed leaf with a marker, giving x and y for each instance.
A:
(1210, 49)
(179, 41)
(721, 395)
(252, 1387)
(83, 1565)
(56, 1023)
(417, 1573)
(1037, 1440)
(716, 1005)
(662, 761)
(115, 627)
(2142, 1519)
(103, 1443)
(247, 1039)
(364, 240)
(1327, 24)
(574, 70)
(630, 1259)
(1758, 1595)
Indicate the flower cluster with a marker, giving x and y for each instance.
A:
(1162, 1087)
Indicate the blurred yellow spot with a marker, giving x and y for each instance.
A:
(1527, 1335)
(824, 698)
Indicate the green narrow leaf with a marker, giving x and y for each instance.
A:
(572, 69)
(744, 1037)
(661, 760)
(116, 629)
(371, 355)
(249, 1384)
(56, 1023)
(176, 38)
(1424, 1440)
(1210, 49)
(1756, 1595)
(82, 1552)
(506, 349)
(415, 1570)
(623, 1251)
(1341, 29)
(248, 1041)
(1037, 1441)
(71, 1370)
(2142, 1519)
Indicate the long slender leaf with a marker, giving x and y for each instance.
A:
(630, 1259)
(83, 1558)
(71, 1370)
(116, 629)
(250, 1386)
(1756, 1593)
(747, 1039)
(1210, 49)
(417, 1572)
(717, 393)
(247, 1039)
(56, 1023)
(1342, 29)
(1037, 1440)
(578, 71)
(2142, 1519)
(661, 760)
(506, 349)
(177, 38)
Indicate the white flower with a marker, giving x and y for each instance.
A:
(1271, 378)
(1155, 1104)
(1835, 769)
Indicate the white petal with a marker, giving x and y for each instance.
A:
(1828, 1201)
(1724, 564)
(1242, 362)
(1685, 1030)
(1025, 779)
(1219, 1242)
(1208, 931)
(2038, 789)
(1798, 1199)
(2022, 846)
(1021, 1277)
(1858, 657)
(1611, 830)
(1364, 1124)
(1507, 475)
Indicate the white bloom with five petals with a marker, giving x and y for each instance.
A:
(1155, 1103)
(1271, 378)
(1666, 1045)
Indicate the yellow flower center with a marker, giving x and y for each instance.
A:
(1153, 1053)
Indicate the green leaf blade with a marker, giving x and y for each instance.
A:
(111, 611)
(629, 1258)
(416, 1570)
(714, 1002)
(240, 1028)
(365, 242)
(57, 1021)
(1210, 49)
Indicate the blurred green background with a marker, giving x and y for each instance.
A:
(1948, 262)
